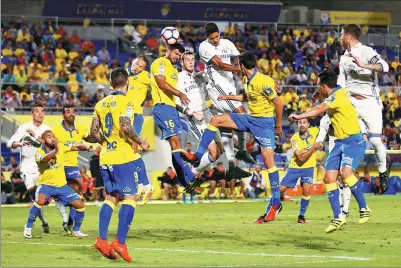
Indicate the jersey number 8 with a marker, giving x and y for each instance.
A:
(108, 124)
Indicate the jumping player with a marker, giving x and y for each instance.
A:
(263, 121)
(358, 73)
(348, 150)
(218, 54)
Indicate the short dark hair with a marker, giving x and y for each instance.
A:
(211, 27)
(67, 106)
(328, 77)
(353, 30)
(248, 60)
(36, 105)
(118, 77)
(144, 58)
(177, 46)
(219, 163)
(186, 52)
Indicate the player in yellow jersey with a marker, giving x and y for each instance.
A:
(349, 147)
(68, 132)
(263, 121)
(139, 83)
(53, 183)
(121, 166)
(302, 164)
(164, 79)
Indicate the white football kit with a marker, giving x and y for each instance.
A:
(196, 93)
(220, 82)
(363, 82)
(29, 168)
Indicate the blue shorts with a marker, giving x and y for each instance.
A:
(72, 173)
(260, 127)
(138, 123)
(291, 176)
(65, 194)
(346, 152)
(142, 176)
(123, 179)
(168, 120)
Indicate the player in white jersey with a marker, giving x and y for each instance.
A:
(198, 115)
(218, 54)
(27, 138)
(358, 73)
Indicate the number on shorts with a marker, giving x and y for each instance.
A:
(136, 176)
(108, 124)
(169, 123)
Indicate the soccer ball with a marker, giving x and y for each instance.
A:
(170, 35)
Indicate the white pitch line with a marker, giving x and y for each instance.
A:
(206, 251)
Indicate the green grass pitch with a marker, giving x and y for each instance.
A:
(215, 235)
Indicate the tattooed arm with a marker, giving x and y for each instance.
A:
(95, 134)
(128, 130)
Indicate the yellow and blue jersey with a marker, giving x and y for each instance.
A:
(163, 67)
(52, 173)
(299, 143)
(342, 113)
(137, 89)
(261, 92)
(69, 138)
(116, 149)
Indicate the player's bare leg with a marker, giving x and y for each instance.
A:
(242, 153)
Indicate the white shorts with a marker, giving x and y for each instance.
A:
(30, 179)
(196, 128)
(219, 85)
(370, 115)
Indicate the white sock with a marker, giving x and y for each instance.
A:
(204, 163)
(241, 141)
(42, 215)
(61, 209)
(228, 145)
(346, 194)
(341, 197)
(380, 150)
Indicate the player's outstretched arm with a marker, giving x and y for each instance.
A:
(303, 156)
(81, 147)
(379, 66)
(216, 61)
(240, 97)
(128, 130)
(167, 88)
(315, 111)
(95, 133)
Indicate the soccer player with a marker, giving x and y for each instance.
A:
(358, 73)
(263, 121)
(326, 128)
(52, 182)
(302, 164)
(68, 132)
(27, 139)
(197, 113)
(164, 79)
(121, 166)
(218, 53)
(139, 83)
(349, 147)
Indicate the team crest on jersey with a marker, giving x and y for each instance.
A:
(267, 90)
(174, 76)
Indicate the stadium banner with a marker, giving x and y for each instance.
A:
(355, 17)
(161, 10)
(148, 129)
